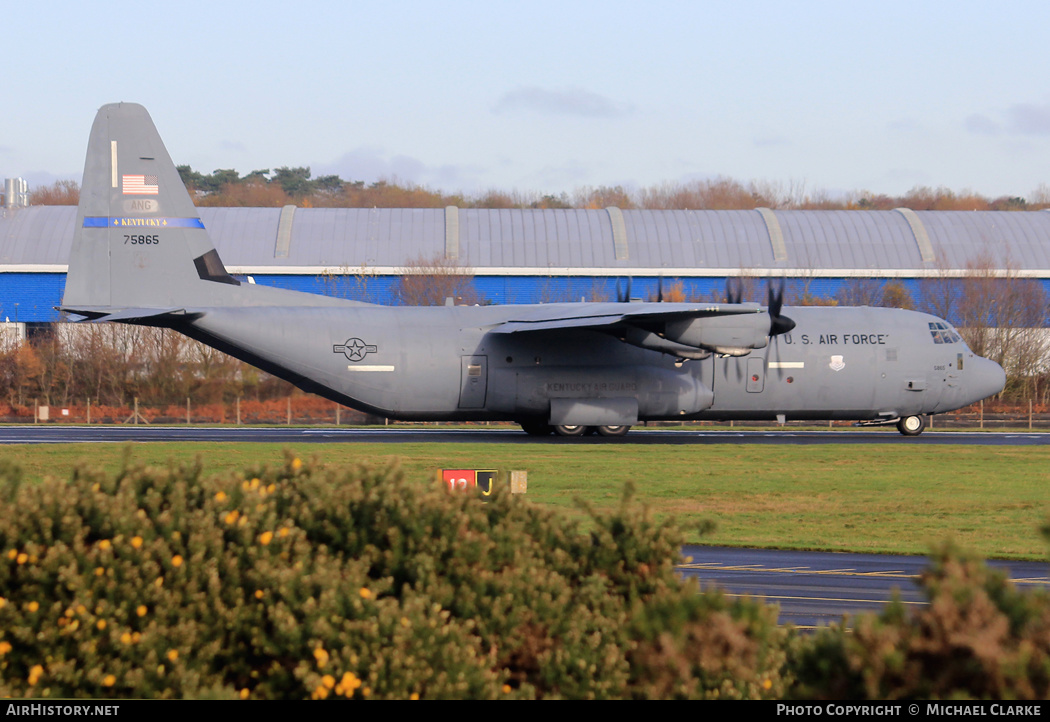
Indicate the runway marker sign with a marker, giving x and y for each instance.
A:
(466, 479)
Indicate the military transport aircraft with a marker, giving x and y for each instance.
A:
(141, 255)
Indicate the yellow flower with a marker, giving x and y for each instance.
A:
(266, 537)
(328, 681)
(136, 541)
(414, 695)
(176, 561)
(141, 610)
(283, 532)
(5, 647)
(33, 606)
(12, 553)
(320, 693)
(231, 518)
(349, 683)
(321, 656)
(35, 673)
(365, 593)
(126, 638)
(109, 680)
(221, 496)
(101, 624)
(104, 544)
(173, 654)
(506, 689)
(23, 558)
(255, 483)
(3, 602)
(99, 571)
(271, 488)
(244, 693)
(297, 464)
(259, 594)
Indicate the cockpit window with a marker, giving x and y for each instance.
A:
(943, 333)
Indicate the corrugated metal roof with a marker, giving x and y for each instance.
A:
(558, 241)
(37, 235)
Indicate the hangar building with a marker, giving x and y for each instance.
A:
(531, 256)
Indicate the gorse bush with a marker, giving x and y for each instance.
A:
(294, 583)
(298, 583)
(979, 637)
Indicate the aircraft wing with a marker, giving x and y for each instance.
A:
(611, 315)
(680, 329)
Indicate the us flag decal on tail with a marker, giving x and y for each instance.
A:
(141, 185)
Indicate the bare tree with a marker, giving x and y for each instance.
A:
(430, 281)
(999, 314)
(860, 292)
(347, 282)
(59, 193)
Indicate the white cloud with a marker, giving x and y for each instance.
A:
(771, 141)
(1019, 119)
(571, 101)
(1030, 118)
(982, 125)
(371, 164)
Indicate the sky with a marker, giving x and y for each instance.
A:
(546, 97)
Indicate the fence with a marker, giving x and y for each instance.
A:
(304, 410)
(298, 410)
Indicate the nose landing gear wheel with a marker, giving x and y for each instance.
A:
(570, 430)
(911, 425)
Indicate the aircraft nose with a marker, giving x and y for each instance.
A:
(985, 378)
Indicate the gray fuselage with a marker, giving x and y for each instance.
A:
(445, 363)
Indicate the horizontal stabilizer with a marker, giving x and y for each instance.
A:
(132, 315)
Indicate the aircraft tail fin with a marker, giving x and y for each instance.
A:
(139, 242)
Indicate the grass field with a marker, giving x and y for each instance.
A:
(897, 499)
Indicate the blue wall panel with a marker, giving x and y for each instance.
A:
(32, 297)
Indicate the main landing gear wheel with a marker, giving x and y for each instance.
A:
(911, 425)
(535, 428)
(613, 430)
(570, 430)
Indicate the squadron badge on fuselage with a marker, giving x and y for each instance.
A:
(837, 364)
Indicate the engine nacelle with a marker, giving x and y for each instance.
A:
(732, 335)
(649, 340)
